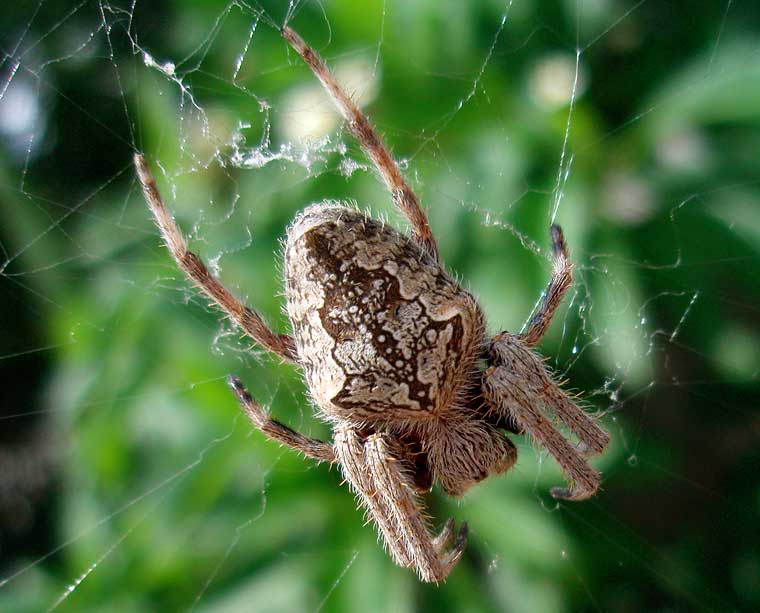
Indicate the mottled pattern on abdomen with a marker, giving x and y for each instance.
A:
(382, 331)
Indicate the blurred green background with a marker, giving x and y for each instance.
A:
(128, 479)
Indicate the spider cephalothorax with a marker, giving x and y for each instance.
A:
(396, 358)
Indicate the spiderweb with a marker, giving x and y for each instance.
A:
(129, 480)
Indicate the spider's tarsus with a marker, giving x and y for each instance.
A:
(239, 389)
(250, 406)
(143, 172)
(444, 537)
(561, 493)
(461, 541)
(294, 40)
(559, 248)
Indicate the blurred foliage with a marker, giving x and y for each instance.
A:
(127, 471)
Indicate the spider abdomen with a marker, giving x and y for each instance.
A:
(382, 331)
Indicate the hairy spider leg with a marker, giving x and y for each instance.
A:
(520, 385)
(561, 279)
(350, 451)
(246, 318)
(361, 128)
(310, 447)
(384, 488)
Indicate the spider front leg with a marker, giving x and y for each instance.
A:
(246, 318)
(519, 387)
(310, 447)
(562, 278)
(376, 473)
(361, 128)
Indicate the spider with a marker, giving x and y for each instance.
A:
(397, 359)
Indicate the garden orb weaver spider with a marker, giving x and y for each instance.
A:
(396, 358)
